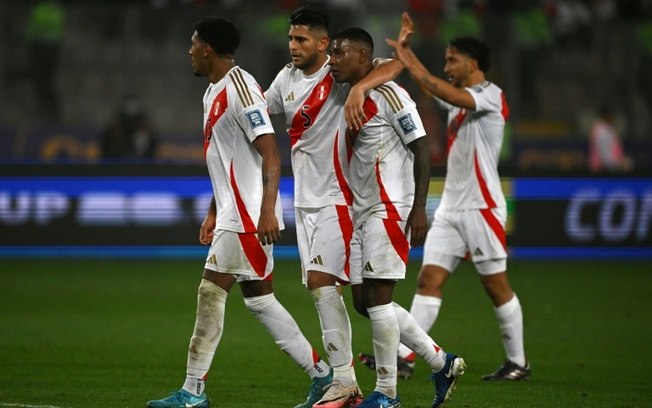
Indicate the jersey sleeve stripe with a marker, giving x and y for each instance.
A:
(241, 88)
(391, 97)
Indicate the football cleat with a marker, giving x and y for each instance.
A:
(404, 367)
(509, 371)
(180, 399)
(444, 379)
(317, 390)
(379, 400)
(340, 395)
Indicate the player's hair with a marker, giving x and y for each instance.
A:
(474, 48)
(308, 16)
(356, 34)
(220, 33)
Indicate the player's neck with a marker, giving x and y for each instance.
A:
(221, 65)
(475, 79)
(316, 66)
(363, 72)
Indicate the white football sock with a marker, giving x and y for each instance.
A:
(413, 336)
(336, 330)
(209, 325)
(425, 310)
(386, 337)
(510, 321)
(286, 333)
(194, 385)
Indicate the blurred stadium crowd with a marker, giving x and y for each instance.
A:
(78, 75)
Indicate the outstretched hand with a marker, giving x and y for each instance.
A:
(404, 37)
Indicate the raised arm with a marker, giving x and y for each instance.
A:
(429, 83)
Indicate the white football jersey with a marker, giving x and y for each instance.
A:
(381, 170)
(235, 114)
(314, 112)
(474, 142)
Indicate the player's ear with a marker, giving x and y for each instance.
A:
(207, 49)
(324, 43)
(473, 65)
(363, 55)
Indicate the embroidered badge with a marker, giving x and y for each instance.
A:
(407, 124)
(256, 119)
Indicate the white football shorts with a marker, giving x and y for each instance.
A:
(324, 238)
(479, 233)
(240, 254)
(379, 250)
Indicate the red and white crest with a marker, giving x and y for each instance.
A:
(321, 93)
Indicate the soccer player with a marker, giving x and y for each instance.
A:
(471, 216)
(244, 218)
(313, 105)
(389, 177)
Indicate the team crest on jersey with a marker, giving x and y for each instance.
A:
(407, 123)
(321, 93)
(256, 119)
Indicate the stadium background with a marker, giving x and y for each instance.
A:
(557, 62)
(98, 262)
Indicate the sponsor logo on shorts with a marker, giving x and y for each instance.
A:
(317, 260)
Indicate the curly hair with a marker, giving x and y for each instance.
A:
(220, 33)
(474, 48)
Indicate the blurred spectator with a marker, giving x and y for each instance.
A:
(130, 135)
(44, 34)
(462, 18)
(572, 23)
(606, 152)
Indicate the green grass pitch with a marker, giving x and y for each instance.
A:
(113, 334)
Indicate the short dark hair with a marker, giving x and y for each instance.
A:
(220, 33)
(308, 16)
(474, 48)
(355, 34)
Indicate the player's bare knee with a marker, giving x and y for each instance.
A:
(358, 303)
(498, 288)
(431, 280)
(318, 279)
